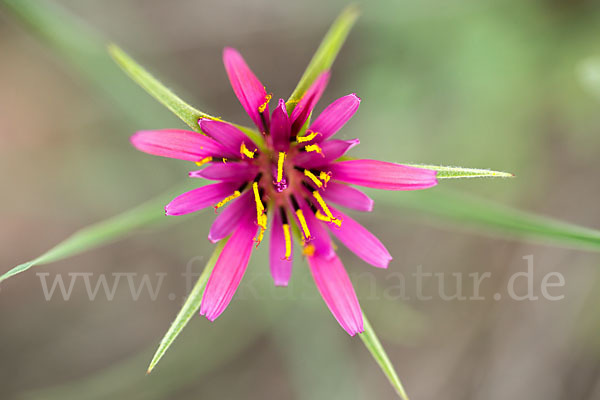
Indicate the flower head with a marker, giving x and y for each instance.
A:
(288, 186)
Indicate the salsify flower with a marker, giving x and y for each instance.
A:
(287, 185)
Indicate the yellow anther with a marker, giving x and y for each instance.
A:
(315, 148)
(280, 166)
(328, 215)
(303, 224)
(261, 217)
(307, 138)
(204, 161)
(313, 178)
(288, 241)
(262, 223)
(325, 218)
(260, 209)
(325, 176)
(224, 160)
(245, 152)
(227, 200)
(263, 106)
(309, 250)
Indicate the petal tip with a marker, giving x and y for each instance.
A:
(386, 262)
(229, 51)
(211, 318)
(170, 211)
(370, 205)
(211, 239)
(136, 138)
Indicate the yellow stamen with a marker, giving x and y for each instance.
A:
(204, 161)
(313, 178)
(288, 241)
(328, 215)
(245, 152)
(325, 218)
(227, 199)
(325, 176)
(280, 166)
(303, 224)
(263, 106)
(261, 217)
(307, 138)
(309, 250)
(260, 209)
(314, 147)
(262, 223)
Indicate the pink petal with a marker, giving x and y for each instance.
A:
(347, 196)
(383, 175)
(333, 118)
(248, 89)
(337, 291)
(280, 127)
(228, 219)
(200, 198)
(281, 269)
(176, 143)
(227, 172)
(308, 102)
(227, 135)
(331, 151)
(229, 269)
(360, 241)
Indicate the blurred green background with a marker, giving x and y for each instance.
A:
(490, 84)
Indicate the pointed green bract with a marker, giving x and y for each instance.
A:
(160, 92)
(117, 227)
(187, 113)
(374, 346)
(326, 53)
(189, 309)
(492, 218)
(460, 172)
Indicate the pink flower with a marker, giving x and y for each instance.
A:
(289, 183)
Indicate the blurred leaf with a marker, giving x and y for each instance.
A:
(459, 172)
(189, 309)
(465, 210)
(117, 227)
(374, 346)
(326, 53)
(187, 113)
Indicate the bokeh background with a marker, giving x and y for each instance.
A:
(491, 84)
